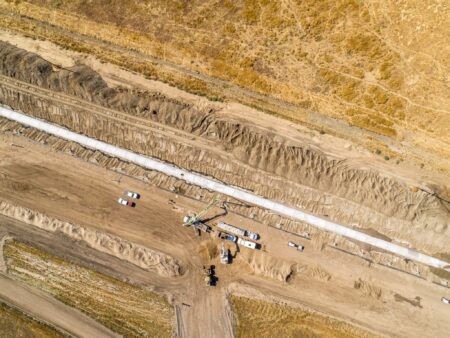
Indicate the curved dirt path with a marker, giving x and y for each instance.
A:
(56, 313)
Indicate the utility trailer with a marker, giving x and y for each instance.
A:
(237, 231)
(231, 228)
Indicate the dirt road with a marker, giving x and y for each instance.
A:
(44, 307)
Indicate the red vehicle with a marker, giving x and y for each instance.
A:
(127, 203)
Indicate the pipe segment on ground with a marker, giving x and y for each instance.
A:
(214, 185)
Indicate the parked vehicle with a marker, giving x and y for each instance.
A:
(231, 228)
(292, 244)
(209, 275)
(445, 300)
(298, 247)
(224, 255)
(252, 235)
(229, 237)
(125, 202)
(247, 244)
(134, 195)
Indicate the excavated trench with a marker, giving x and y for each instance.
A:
(273, 268)
(205, 141)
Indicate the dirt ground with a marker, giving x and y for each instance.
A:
(377, 68)
(49, 310)
(14, 321)
(331, 178)
(256, 318)
(45, 182)
(123, 308)
(61, 186)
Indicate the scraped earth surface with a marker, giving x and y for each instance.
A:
(207, 140)
(321, 278)
(63, 198)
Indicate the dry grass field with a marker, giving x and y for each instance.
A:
(377, 65)
(256, 318)
(15, 324)
(125, 309)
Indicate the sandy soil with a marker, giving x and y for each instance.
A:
(44, 307)
(317, 172)
(57, 185)
(13, 320)
(338, 66)
(138, 255)
(231, 149)
(335, 146)
(126, 309)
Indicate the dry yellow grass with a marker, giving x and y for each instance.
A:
(256, 318)
(125, 309)
(379, 65)
(16, 324)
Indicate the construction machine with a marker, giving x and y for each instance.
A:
(194, 220)
(208, 273)
(224, 255)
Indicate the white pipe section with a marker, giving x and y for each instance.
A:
(214, 185)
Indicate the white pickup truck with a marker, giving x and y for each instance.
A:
(297, 246)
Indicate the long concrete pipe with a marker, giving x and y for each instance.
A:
(214, 185)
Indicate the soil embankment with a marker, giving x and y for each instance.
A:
(143, 257)
(203, 140)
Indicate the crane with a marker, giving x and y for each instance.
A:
(190, 220)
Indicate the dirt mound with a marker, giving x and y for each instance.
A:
(136, 254)
(267, 164)
(208, 251)
(315, 272)
(367, 288)
(264, 265)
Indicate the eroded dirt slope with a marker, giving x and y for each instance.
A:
(375, 65)
(228, 149)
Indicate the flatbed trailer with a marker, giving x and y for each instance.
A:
(231, 228)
